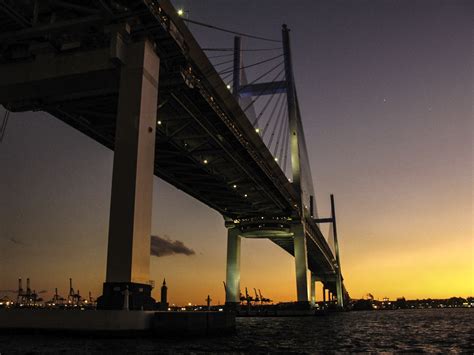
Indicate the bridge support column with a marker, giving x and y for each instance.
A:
(128, 253)
(339, 287)
(313, 288)
(301, 263)
(339, 295)
(324, 295)
(232, 296)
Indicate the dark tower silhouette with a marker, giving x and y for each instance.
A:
(71, 290)
(28, 289)
(20, 291)
(56, 296)
(70, 297)
(208, 302)
(164, 297)
(164, 292)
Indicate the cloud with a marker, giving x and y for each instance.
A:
(16, 241)
(165, 246)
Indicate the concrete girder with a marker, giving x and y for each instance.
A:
(50, 80)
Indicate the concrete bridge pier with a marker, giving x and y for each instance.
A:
(339, 293)
(301, 264)
(232, 295)
(313, 288)
(128, 253)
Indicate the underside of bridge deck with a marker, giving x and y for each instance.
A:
(205, 146)
(68, 59)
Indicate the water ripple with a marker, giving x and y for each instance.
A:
(438, 331)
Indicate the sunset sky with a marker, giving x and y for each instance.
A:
(386, 93)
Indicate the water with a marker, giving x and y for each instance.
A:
(439, 330)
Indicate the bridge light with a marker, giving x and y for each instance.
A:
(276, 159)
(235, 186)
(205, 161)
(180, 12)
(159, 123)
(245, 195)
(228, 86)
(257, 130)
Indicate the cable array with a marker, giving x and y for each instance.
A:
(3, 128)
(265, 102)
(230, 31)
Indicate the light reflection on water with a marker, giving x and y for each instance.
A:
(437, 330)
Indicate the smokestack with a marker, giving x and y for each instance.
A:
(28, 285)
(20, 287)
(71, 290)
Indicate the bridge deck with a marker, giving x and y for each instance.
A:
(205, 145)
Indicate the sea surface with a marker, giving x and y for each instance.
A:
(425, 330)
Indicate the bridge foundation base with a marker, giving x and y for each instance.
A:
(111, 323)
(302, 305)
(114, 295)
(232, 306)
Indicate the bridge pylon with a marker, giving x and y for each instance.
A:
(313, 288)
(301, 262)
(292, 113)
(232, 288)
(128, 252)
(294, 124)
(335, 281)
(339, 287)
(297, 235)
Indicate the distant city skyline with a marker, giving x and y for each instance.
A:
(386, 91)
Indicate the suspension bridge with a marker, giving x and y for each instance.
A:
(221, 124)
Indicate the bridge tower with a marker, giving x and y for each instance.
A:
(241, 90)
(298, 229)
(339, 288)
